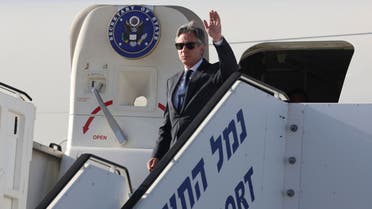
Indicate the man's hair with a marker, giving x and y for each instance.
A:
(190, 27)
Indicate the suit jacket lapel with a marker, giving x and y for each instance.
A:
(193, 84)
(174, 83)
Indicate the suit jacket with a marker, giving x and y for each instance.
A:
(204, 82)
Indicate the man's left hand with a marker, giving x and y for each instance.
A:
(213, 28)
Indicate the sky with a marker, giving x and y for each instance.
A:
(35, 53)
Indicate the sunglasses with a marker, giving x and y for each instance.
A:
(189, 45)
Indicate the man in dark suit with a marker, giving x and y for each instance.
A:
(189, 90)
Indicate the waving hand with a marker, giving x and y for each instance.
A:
(213, 28)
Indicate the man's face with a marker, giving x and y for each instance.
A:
(189, 57)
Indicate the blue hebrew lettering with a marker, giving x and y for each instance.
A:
(186, 185)
(173, 201)
(217, 145)
(199, 169)
(165, 206)
(239, 195)
(248, 178)
(226, 136)
(240, 118)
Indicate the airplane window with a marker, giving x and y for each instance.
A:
(136, 87)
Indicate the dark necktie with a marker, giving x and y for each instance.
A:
(182, 88)
(187, 77)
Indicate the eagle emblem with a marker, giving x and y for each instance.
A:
(134, 31)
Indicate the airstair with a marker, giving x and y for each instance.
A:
(250, 149)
